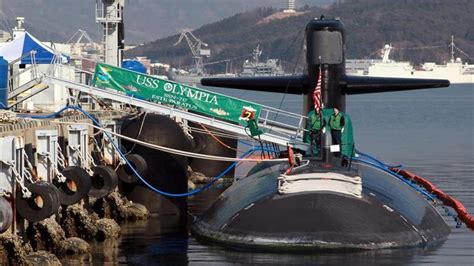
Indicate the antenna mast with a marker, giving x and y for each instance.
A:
(452, 48)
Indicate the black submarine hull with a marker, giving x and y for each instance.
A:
(253, 215)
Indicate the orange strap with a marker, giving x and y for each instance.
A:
(218, 140)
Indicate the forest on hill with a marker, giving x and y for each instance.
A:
(145, 20)
(419, 30)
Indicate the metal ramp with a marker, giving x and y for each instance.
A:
(25, 92)
(290, 131)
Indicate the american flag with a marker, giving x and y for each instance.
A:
(317, 94)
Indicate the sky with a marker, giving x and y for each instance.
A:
(145, 20)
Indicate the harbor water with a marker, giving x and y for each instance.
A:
(429, 132)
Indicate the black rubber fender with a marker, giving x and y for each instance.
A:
(6, 215)
(77, 185)
(56, 197)
(104, 180)
(126, 174)
(41, 205)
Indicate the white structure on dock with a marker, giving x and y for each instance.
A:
(291, 7)
(109, 14)
(26, 89)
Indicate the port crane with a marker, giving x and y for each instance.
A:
(76, 46)
(196, 47)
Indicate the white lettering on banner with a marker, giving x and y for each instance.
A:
(190, 93)
(148, 82)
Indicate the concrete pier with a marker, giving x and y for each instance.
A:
(48, 167)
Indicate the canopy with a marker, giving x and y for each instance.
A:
(23, 44)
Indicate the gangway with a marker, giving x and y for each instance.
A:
(275, 132)
(289, 129)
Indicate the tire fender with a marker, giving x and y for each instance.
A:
(104, 180)
(41, 205)
(6, 215)
(126, 175)
(77, 185)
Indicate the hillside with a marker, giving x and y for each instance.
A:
(369, 23)
(145, 20)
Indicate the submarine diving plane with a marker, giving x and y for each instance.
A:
(322, 203)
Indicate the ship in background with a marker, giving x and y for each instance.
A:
(256, 68)
(455, 70)
(251, 68)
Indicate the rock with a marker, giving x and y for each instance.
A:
(107, 228)
(189, 171)
(42, 258)
(46, 235)
(114, 206)
(15, 248)
(78, 222)
(191, 185)
(137, 211)
(197, 177)
(75, 245)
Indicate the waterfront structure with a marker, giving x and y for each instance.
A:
(291, 7)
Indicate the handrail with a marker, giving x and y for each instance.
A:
(272, 124)
(16, 89)
(31, 53)
(26, 69)
(279, 112)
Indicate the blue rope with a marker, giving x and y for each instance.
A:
(53, 115)
(385, 169)
(176, 195)
(377, 160)
(381, 165)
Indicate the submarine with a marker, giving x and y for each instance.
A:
(327, 202)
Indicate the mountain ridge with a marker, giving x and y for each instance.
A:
(369, 25)
(145, 20)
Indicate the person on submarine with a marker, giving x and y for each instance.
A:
(312, 135)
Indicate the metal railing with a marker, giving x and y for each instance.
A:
(283, 122)
(15, 77)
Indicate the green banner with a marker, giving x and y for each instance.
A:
(162, 91)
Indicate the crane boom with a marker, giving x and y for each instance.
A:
(195, 45)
